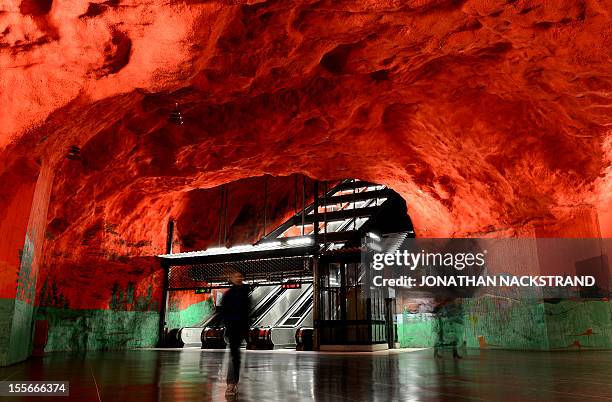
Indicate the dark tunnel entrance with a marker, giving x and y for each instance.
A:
(305, 275)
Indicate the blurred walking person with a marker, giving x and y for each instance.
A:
(235, 308)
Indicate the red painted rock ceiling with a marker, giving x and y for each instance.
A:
(488, 117)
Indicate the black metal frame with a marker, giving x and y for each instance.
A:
(336, 331)
(282, 252)
(316, 263)
(163, 313)
(262, 271)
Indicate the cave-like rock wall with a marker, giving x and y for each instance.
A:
(485, 115)
(490, 117)
(115, 258)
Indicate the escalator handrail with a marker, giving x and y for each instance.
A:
(307, 301)
(296, 305)
(256, 316)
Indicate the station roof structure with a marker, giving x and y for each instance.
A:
(342, 216)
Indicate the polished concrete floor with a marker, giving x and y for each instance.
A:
(195, 375)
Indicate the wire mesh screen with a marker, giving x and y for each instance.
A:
(261, 270)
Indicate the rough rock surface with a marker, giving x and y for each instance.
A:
(489, 117)
(112, 259)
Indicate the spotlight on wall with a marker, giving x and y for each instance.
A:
(175, 116)
(74, 153)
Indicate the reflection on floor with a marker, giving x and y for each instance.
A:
(195, 375)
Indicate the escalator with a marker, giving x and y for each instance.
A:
(276, 313)
(266, 302)
(276, 327)
(278, 309)
(261, 298)
(260, 308)
(299, 315)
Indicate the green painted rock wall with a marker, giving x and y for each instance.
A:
(512, 324)
(505, 323)
(99, 329)
(416, 330)
(15, 331)
(579, 325)
(21, 332)
(127, 324)
(191, 315)
(6, 319)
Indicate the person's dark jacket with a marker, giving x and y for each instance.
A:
(235, 307)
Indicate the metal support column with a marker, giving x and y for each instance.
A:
(316, 282)
(303, 204)
(315, 213)
(265, 206)
(163, 313)
(315, 269)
